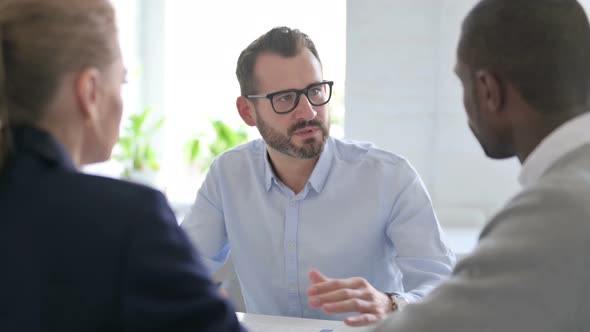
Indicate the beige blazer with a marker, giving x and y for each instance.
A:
(530, 270)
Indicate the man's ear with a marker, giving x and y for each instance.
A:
(246, 110)
(88, 93)
(489, 90)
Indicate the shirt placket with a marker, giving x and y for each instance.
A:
(290, 250)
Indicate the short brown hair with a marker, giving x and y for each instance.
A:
(40, 42)
(283, 41)
(542, 47)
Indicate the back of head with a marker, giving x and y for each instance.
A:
(283, 41)
(40, 42)
(541, 46)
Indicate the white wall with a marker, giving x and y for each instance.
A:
(401, 93)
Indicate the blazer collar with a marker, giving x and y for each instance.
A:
(41, 143)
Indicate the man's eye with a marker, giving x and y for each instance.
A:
(315, 91)
(286, 98)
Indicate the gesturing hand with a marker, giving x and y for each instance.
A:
(348, 295)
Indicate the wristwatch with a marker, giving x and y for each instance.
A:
(397, 301)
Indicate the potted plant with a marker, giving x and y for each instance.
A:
(135, 147)
(225, 139)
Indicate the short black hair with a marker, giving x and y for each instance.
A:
(283, 41)
(541, 46)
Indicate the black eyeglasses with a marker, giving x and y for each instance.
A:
(286, 101)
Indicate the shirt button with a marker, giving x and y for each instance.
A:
(290, 245)
(292, 203)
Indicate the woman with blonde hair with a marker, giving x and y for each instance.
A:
(81, 252)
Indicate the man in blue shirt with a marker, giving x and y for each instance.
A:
(318, 227)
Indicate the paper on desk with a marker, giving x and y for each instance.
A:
(262, 327)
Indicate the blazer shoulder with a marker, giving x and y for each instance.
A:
(113, 194)
(556, 207)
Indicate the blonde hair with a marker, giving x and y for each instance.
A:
(40, 42)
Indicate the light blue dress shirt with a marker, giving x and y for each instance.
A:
(364, 212)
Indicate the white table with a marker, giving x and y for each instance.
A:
(461, 240)
(264, 323)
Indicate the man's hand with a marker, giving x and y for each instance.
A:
(348, 295)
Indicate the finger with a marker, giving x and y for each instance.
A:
(362, 320)
(325, 287)
(336, 284)
(350, 305)
(336, 296)
(316, 277)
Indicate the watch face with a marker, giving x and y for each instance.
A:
(397, 301)
(392, 298)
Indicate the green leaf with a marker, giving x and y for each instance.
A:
(192, 149)
(135, 142)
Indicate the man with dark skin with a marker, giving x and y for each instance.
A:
(525, 70)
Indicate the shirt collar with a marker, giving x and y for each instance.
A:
(566, 138)
(320, 171)
(269, 174)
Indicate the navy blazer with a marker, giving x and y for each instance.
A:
(88, 253)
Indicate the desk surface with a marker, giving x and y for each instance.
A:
(263, 323)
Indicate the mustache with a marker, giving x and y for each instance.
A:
(302, 124)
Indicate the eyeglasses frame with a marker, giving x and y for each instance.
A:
(305, 92)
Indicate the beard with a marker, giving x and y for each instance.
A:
(311, 147)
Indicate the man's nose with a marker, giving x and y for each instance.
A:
(304, 109)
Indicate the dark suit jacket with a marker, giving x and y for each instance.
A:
(87, 253)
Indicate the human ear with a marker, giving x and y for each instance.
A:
(88, 93)
(489, 90)
(246, 110)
